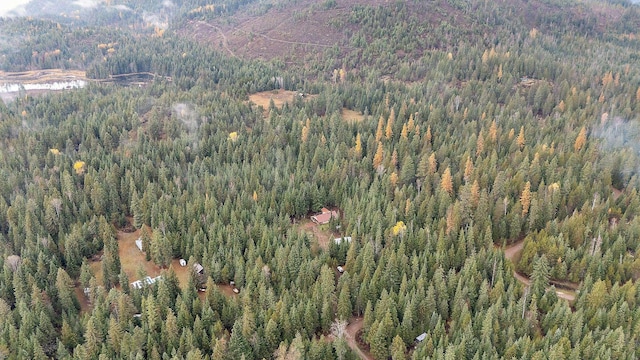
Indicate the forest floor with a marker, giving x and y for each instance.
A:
(512, 253)
(352, 331)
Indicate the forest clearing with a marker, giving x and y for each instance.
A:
(337, 179)
(351, 115)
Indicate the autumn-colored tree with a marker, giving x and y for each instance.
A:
(521, 141)
(378, 157)
(358, 146)
(480, 144)
(493, 131)
(525, 198)
(468, 170)
(380, 128)
(305, 131)
(581, 140)
(433, 163)
(388, 132)
(447, 181)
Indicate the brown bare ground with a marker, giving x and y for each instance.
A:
(312, 229)
(279, 97)
(42, 76)
(295, 32)
(354, 327)
(350, 115)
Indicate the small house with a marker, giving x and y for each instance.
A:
(421, 337)
(324, 216)
(199, 269)
(139, 244)
(341, 239)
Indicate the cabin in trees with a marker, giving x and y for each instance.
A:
(420, 338)
(324, 216)
(199, 269)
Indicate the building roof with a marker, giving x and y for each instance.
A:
(421, 337)
(341, 239)
(198, 268)
(139, 243)
(324, 217)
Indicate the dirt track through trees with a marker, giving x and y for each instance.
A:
(355, 324)
(512, 251)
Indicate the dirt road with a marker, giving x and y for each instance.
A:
(355, 324)
(513, 250)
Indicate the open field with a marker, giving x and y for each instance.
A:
(279, 97)
(42, 76)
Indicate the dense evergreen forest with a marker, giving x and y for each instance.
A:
(482, 126)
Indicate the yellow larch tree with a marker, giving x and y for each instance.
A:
(388, 133)
(521, 140)
(380, 128)
(433, 164)
(358, 147)
(493, 131)
(468, 169)
(581, 140)
(378, 157)
(480, 144)
(411, 123)
(525, 198)
(393, 179)
(404, 132)
(447, 181)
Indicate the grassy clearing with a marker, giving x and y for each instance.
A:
(350, 115)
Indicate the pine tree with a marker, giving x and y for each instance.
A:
(398, 348)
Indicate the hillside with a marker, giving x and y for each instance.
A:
(291, 179)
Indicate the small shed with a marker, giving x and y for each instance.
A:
(199, 269)
(183, 262)
(421, 337)
(139, 243)
(339, 240)
(340, 269)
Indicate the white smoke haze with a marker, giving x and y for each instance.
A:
(187, 114)
(621, 136)
(168, 4)
(154, 20)
(86, 4)
(121, 7)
